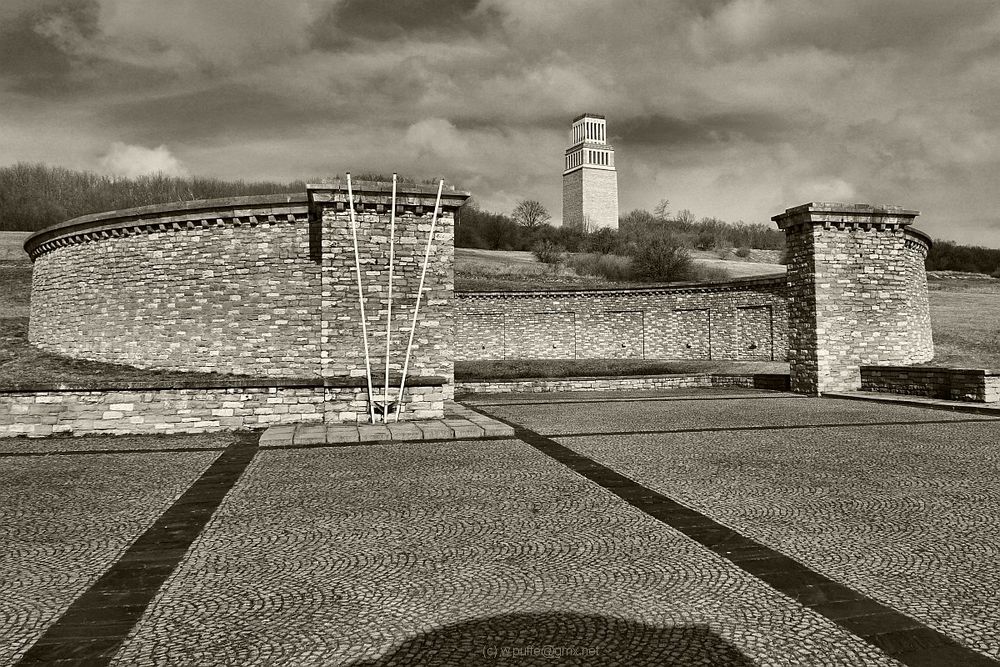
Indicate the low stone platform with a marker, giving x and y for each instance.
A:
(459, 423)
(991, 409)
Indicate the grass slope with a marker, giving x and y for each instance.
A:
(506, 270)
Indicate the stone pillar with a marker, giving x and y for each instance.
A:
(342, 350)
(857, 292)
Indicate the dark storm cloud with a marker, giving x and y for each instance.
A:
(32, 59)
(345, 23)
(732, 108)
(657, 130)
(227, 110)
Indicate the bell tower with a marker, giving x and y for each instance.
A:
(590, 181)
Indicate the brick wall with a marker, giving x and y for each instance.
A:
(222, 292)
(342, 344)
(639, 383)
(734, 320)
(261, 286)
(572, 214)
(41, 413)
(857, 292)
(955, 384)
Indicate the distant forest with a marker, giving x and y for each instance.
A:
(33, 196)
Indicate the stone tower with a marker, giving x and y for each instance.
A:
(857, 292)
(590, 182)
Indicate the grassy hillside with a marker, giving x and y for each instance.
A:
(965, 318)
(509, 270)
(12, 247)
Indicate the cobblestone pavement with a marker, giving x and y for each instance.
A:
(65, 519)
(906, 512)
(492, 551)
(444, 553)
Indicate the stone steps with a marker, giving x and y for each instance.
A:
(459, 423)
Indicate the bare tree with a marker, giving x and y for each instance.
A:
(662, 210)
(530, 213)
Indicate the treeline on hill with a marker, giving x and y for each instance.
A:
(645, 247)
(33, 196)
(950, 256)
(495, 231)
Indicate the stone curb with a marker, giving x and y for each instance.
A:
(917, 401)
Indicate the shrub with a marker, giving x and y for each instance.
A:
(549, 252)
(743, 251)
(612, 267)
(661, 259)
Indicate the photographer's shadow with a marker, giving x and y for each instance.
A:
(562, 639)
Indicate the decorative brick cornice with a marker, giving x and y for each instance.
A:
(376, 197)
(176, 216)
(867, 217)
(252, 210)
(775, 282)
(841, 216)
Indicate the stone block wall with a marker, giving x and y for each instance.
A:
(735, 320)
(148, 410)
(637, 383)
(590, 198)
(342, 345)
(857, 292)
(572, 196)
(257, 286)
(227, 288)
(955, 384)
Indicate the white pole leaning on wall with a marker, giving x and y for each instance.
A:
(361, 301)
(420, 292)
(388, 314)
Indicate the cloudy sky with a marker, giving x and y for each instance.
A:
(730, 108)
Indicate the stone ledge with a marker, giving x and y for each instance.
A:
(949, 370)
(769, 381)
(236, 383)
(917, 401)
(775, 281)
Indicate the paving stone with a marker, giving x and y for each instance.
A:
(309, 434)
(65, 519)
(339, 433)
(435, 429)
(468, 549)
(405, 431)
(897, 502)
(277, 436)
(464, 428)
(373, 432)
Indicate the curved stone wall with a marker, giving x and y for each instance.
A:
(740, 319)
(261, 286)
(228, 287)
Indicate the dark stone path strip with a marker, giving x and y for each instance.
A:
(92, 629)
(770, 427)
(901, 637)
